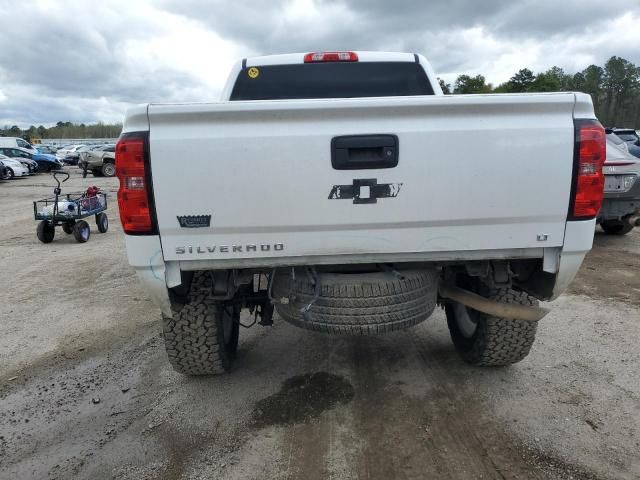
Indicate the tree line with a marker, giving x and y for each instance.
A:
(64, 130)
(614, 88)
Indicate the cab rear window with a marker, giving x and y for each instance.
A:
(331, 80)
(627, 137)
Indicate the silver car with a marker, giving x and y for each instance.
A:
(13, 167)
(620, 210)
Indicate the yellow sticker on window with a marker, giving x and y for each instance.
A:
(253, 72)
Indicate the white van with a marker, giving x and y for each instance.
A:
(17, 142)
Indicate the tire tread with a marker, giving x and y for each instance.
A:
(498, 341)
(191, 337)
(365, 304)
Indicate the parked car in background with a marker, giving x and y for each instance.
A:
(16, 142)
(66, 150)
(616, 140)
(620, 211)
(50, 149)
(624, 138)
(14, 168)
(629, 135)
(32, 165)
(82, 153)
(633, 150)
(73, 157)
(46, 162)
(64, 147)
(100, 161)
(29, 164)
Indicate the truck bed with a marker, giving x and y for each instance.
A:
(477, 176)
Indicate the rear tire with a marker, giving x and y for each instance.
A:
(488, 341)
(81, 231)
(108, 169)
(202, 336)
(616, 227)
(45, 231)
(102, 222)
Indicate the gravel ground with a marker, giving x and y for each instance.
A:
(86, 391)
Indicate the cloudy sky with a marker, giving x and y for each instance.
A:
(85, 61)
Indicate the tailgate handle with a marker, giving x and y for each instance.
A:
(359, 152)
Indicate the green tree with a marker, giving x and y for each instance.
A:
(590, 81)
(467, 84)
(66, 130)
(32, 131)
(553, 80)
(520, 82)
(621, 82)
(446, 88)
(545, 82)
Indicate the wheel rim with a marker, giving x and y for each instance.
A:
(227, 325)
(109, 170)
(84, 233)
(465, 322)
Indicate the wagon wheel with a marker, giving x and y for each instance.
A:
(102, 222)
(46, 231)
(67, 227)
(81, 231)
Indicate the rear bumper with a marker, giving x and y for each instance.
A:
(618, 205)
(285, 261)
(578, 240)
(632, 193)
(145, 256)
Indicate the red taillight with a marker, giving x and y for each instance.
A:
(592, 153)
(317, 57)
(133, 197)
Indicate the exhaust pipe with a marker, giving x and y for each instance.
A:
(491, 307)
(634, 220)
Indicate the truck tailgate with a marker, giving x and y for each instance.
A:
(474, 173)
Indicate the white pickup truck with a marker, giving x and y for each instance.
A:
(345, 190)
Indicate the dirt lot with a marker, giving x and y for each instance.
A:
(86, 391)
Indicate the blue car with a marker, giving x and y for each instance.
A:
(45, 161)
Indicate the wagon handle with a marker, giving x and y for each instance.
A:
(57, 190)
